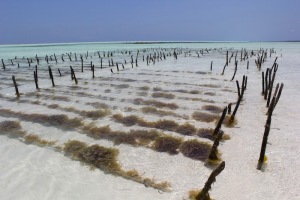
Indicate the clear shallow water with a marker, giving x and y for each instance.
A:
(10, 51)
(54, 176)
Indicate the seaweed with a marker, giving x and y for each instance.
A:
(105, 159)
(206, 133)
(127, 121)
(155, 103)
(48, 120)
(163, 95)
(195, 149)
(213, 109)
(204, 117)
(144, 88)
(153, 110)
(11, 128)
(186, 129)
(35, 139)
(167, 144)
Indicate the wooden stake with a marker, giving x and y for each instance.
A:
(229, 108)
(3, 65)
(218, 127)
(16, 86)
(265, 138)
(238, 88)
(204, 195)
(214, 149)
(51, 76)
(93, 69)
(73, 75)
(263, 83)
(235, 69)
(36, 79)
(59, 72)
(266, 82)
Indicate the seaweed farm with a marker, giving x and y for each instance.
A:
(150, 121)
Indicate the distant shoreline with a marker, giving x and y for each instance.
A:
(140, 42)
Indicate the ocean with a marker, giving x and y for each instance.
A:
(139, 126)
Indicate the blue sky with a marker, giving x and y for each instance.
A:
(59, 21)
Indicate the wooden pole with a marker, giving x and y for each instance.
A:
(263, 83)
(266, 134)
(238, 88)
(51, 76)
(55, 58)
(235, 69)
(279, 94)
(229, 108)
(204, 195)
(59, 72)
(36, 79)
(213, 154)
(73, 75)
(93, 69)
(218, 127)
(3, 65)
(16, 86)
(266, 82)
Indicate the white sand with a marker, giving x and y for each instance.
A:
(32, 172)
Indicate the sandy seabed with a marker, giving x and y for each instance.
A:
(177, 90)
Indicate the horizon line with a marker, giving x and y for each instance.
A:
(143, 42)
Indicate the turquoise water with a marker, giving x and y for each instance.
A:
(10, 51)
(50, 173)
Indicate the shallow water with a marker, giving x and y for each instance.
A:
(189, 84)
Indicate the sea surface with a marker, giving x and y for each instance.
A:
(32, 171)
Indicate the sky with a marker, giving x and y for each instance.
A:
(64, 21)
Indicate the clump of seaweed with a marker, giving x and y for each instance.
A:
(194, 194)
(157, 89)
(122, 86)
(105, 159)
(11, 128)
(35, 139)
(195, 149)
(95, 114)
(95, 155)
(165, 124)
(213, 109)
(186, 129)
(142, 94)
(155, 103)
(210, 93)
(53, 106)
(97, 132)
(153, 110)
(167, 144)
(206, 133)
(48, 120)
(127, 120)
(228, 122)
(163, 95)
(204, 117)
(144, 88)
(98, 105)
(194, 92)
